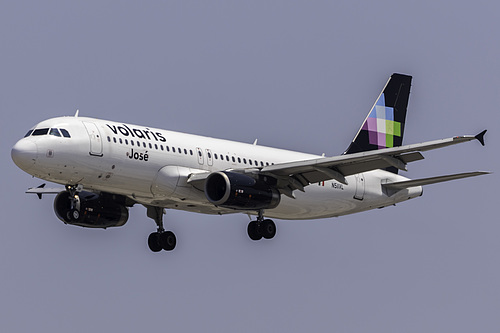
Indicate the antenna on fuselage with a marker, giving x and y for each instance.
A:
(76, 113)
(255, 142)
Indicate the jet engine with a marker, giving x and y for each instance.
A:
(240, 191)
(91, 210)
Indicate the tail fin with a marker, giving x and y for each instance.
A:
(384, 125)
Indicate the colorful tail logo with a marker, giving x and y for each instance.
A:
(381, 126)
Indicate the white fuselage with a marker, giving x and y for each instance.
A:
(151, 166)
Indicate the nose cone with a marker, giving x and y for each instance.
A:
(24, 154)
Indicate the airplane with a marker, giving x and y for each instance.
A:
(106, 167)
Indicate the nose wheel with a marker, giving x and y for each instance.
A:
(161, 239)
(261, 228)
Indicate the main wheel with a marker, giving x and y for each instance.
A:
(268, 229)
(253, 231)
(168, 240)
(154, 242)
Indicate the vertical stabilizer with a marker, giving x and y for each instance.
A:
(384, 125)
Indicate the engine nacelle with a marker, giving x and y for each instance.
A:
(96, 210)
(239, 191)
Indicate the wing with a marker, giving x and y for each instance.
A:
(40, 190)
(297, 175)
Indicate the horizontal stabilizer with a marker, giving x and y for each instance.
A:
(431, 180)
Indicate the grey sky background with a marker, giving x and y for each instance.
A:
(298, 75)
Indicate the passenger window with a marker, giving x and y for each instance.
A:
(109, 139)
(185, 151)
(191, 152)
(65, 133)
(40, 131)
(131, 142)
(239, 160)
(250, 161)
(233, 159)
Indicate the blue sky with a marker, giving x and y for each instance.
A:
(295, 75)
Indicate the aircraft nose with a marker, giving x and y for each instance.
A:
(24, 154)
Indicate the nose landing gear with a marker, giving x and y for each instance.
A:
(73, 214)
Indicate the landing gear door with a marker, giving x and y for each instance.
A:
(360, 186)
(95, 139)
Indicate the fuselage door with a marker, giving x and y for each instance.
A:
(199, 153)
(360, 186)
(210, 160)
(95, 139)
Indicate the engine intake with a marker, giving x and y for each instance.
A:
(239, 191)
(96, 210)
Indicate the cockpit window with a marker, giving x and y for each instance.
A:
(54, 132)
(40, 131)
(65, 133)
(50, 131)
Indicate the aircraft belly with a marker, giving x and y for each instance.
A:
(330, 198)
(325, 199)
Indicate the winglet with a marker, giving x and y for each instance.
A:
(480, 137)
(40, 194)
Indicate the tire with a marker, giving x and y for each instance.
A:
(253, 231)
(154, 242)
(268, 229)
(168, 241)
(67, 217)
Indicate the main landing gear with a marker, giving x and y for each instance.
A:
(261, 228)
(161, 239)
